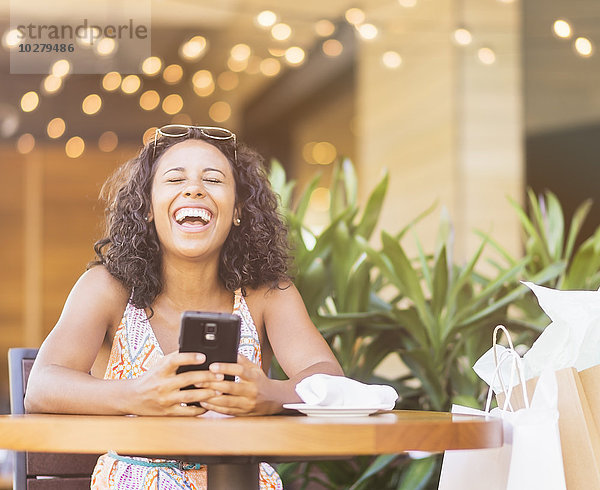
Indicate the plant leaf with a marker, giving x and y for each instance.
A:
(379, 463)
(440, 284)
(422, 365)
(445, 234)
(408, 280)
(347, 252)
(535, 209)
(418, 474)
(550, 272)
(409, 320)
(424, 265)
(304, 201)
(413, 222)
(373, 208)
(463, 277)
(359, 285)
(492, 287)
(531, 230)
(585, 262)
(324, 242)
(350, 182)
(576, 224)
(501, 250)
(555, 226)
(277, 178)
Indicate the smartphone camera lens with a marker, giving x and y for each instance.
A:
(210, 332)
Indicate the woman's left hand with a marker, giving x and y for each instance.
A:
(251, 395)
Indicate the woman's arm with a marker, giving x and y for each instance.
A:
(60, 381)
(299, 348)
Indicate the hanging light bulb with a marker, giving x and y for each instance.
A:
(462, 36)
(391, 59)
(368, 31)
(332, 48)
(266, 18)
(355, 16)
(486, 56)
(584, 47)
(562, 29)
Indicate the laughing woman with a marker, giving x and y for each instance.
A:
(192, 224)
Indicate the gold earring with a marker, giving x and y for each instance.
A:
(237, 221)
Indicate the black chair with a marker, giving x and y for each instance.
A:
(42, 471)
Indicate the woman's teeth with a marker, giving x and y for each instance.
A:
(193, 215)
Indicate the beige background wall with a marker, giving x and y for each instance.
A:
(446, 126)
(49, 220)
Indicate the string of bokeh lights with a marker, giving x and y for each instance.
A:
(241, 59)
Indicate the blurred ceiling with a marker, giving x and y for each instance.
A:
(173, 22)
(560, 87)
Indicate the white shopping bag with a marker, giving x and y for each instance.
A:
(530, 458)
(477, 469)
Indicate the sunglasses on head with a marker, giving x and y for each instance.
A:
(181, 130)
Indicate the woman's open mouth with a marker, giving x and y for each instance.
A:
(193, 219)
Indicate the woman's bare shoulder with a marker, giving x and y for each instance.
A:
(99, 289)
(98, 277)
(267, 295)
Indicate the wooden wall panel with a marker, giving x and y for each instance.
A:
(70, 220)
(72, 223)
(12, 257)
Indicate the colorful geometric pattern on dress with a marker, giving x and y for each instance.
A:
(135, 349)
(249, 341)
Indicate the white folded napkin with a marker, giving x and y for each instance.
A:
(337, 391)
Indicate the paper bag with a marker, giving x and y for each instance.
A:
(536, 459)
(580, 443)
(467, 469)
(530, 457)
(590, 380)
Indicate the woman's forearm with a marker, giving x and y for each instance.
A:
(57, 389)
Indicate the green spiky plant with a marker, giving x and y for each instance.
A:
(336, 280)
(549, 241)
(332, 272)
(439, 319)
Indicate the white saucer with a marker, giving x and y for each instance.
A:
(320, 411)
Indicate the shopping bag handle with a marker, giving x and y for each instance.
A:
(495, 340)
(516, 368)
(495, 334)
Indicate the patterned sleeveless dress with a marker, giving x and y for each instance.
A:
(135, 349)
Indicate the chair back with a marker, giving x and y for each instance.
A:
(42, 471)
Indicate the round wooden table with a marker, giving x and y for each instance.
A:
(232, 447)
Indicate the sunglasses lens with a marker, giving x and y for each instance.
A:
(174, 130)
(218, 133)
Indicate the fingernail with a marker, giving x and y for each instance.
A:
(220, 377)
(200, 358)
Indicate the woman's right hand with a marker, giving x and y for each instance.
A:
(158, 390)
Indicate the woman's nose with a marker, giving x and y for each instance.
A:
(194, 190)
(192, 194)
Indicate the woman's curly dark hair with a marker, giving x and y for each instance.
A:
(255, 253)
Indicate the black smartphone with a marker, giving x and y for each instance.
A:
(216, 335)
